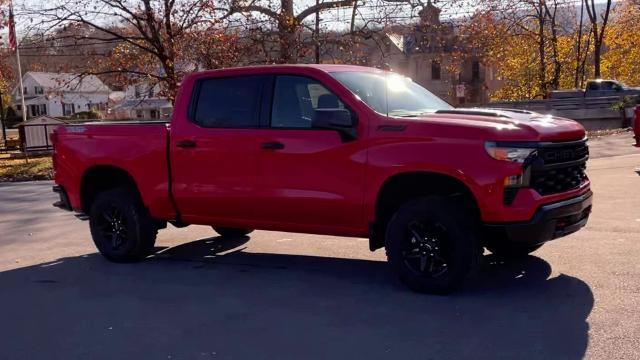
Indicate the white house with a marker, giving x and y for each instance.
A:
(143, 101)
(60, 94)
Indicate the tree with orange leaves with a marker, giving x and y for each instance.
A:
(152, 39)
(622, 39)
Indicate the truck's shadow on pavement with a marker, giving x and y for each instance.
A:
(209, 299)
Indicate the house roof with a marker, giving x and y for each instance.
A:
(69, 82)
(42, 119)
(37, 100)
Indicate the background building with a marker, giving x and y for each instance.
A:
(60, 94)
(143, 101)
(434, 56)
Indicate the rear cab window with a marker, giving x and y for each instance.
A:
(228, 102)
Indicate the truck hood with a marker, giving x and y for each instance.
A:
(510, 124)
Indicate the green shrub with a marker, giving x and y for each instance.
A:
(625, 102)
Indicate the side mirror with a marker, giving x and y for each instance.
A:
(340, 120)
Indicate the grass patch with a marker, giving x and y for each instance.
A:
(40, 168)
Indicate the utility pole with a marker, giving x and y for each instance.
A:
(4, 127)
(317, 34)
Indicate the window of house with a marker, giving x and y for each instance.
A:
(38, 109)
(151, 92)
(475, 70)
(139, 114)
(154, 114)
(490, 73)
(137, 91)
(68, 109)
(232, 102)
(24, 90)
(298, 99)
(403, 66)
(435, 70)
(39, 90)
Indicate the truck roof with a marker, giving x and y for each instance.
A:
(266, 69)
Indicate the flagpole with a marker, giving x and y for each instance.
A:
(24, 108)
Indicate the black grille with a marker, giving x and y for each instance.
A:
(559, 168)
(557, 155)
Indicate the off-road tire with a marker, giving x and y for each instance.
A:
(460, 247)
(137, 230)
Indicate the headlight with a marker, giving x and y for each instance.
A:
(508, 153)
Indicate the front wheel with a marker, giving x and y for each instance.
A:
(232, 232)
(431, 244)
(121, 226)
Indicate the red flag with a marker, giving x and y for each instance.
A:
(13, 44)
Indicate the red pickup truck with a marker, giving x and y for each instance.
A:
(331, 149)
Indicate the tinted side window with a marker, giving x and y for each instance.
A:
(229, 102)
(297, 99)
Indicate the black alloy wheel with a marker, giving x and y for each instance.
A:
(121, 226)
(426, 252)
(432, 243)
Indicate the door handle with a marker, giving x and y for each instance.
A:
(186, 144)
(273, 145)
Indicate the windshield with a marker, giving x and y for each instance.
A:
(391, 94)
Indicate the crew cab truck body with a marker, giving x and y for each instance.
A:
(330, 149)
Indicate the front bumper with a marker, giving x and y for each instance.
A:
(550, 222)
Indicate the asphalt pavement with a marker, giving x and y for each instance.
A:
(297, 296)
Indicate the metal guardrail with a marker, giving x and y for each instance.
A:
(560, 104)
(594, 113)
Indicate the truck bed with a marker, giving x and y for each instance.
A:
(126, 122)
(137, 147)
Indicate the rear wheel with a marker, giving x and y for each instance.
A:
(431, 244)
(232, 232)
(121, 226)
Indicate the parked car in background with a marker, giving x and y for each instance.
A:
(597, 88)
(337, 150)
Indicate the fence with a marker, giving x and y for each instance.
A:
(11, 143)
(35, 137)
